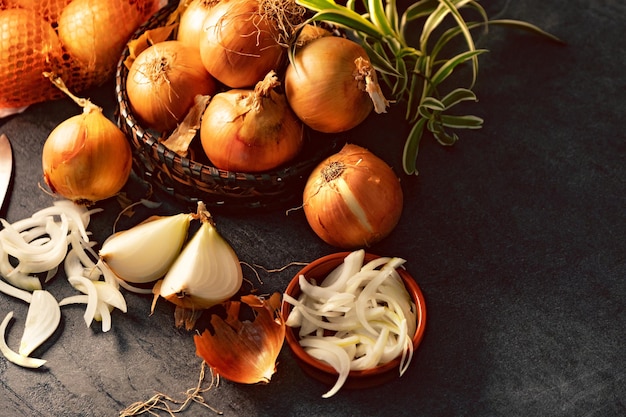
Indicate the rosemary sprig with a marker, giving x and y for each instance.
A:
(415, 73)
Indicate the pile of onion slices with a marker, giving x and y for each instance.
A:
(36, 247)
(360, 316)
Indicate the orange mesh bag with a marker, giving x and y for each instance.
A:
(79, 40)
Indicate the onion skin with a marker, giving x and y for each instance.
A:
(353, 199)
(239, 45)
(244, 351)
(251, 130)
(163, 82)
(28, 47)
(86, 158)
(321, 86)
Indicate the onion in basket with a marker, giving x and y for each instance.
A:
(251, 130)
(163, 82)
(331, 85)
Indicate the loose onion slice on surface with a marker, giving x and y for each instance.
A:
(13, 356)
(359, 317)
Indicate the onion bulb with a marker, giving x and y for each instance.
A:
(331, 85)
(191, 23)
(251, 130)
(95, 32)
(353, 198)
(28, 46)
(86, 158)
(163, 82)
(241, 41)
(244, 351)
(145, 252)
(207, 272)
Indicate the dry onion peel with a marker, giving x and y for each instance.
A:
(206, 272)
(377, 326)
(244, 351)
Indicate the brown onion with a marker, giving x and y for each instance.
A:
(251, 130)
(240, 44)
(331, 85)
(94, 32)
(191, 23)
(352, 199)
(86, 158)
(163, 82)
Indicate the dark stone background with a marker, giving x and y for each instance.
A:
(516, 236)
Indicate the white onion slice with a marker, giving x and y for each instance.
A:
(13, 356)
(42, 319)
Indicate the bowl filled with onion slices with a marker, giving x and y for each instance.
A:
(354, 319)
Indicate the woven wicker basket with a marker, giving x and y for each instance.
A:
(192, 179)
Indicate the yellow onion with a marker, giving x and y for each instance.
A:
(190, 27)
(163, 82)
(240, 42)
(244, 351)
(331, 85)
(28, 47)
(353, 198)
(251, 130)
(86, 158)
(94, 32)
(207, 272)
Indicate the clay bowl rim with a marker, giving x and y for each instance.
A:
(332, 261)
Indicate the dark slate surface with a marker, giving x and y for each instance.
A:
(516, 236)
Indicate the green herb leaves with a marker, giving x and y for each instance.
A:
(418, 71)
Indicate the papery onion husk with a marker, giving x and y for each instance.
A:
(241, 42)
(145, 252)
(251, 130)
(94, 35)
(206, 273)
(163, 82)
(353, 199)
(331, 85)
(244, 351)
(86, 158)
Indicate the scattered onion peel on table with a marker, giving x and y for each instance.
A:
(244, 351)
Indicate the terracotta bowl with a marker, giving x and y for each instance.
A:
(323, 372)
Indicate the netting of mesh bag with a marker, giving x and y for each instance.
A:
(80, 40)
